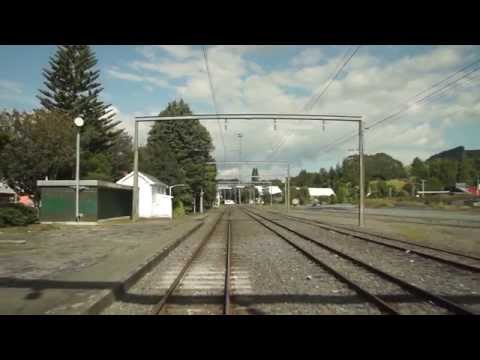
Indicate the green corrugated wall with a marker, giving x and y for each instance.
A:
(58, 203)
(114, 203)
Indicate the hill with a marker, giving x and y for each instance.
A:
(458, 153)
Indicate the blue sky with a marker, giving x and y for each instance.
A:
(140, 80)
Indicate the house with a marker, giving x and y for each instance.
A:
(7, 195)
(152, 194)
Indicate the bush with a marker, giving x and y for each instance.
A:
(178, 209)
(17, 215)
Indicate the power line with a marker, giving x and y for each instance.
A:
(404, 109)
(212, 91)
(315, 98)
(311, 103)
(442, 89)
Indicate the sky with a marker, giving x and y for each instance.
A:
(377, 81)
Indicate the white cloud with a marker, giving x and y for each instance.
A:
(309, 56)
(368, 86)
(14, 87)
(114, 73)
(179, 51)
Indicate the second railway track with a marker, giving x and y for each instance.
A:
(391, 294)
(461, 261)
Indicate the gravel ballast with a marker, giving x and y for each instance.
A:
(457, 285)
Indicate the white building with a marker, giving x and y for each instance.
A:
(272, 190)
(314, 192)
(152, 194)
(7, 195)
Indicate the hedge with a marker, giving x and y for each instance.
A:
(17, 215)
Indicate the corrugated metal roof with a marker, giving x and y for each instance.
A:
(70, 183)
(149, 178)
(273, 190)
(321, 191)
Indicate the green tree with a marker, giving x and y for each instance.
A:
(419, 169)
(466, 170)
(342, 193)
(72, 87)
(180, 151)
(40, 144)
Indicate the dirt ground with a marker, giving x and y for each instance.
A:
(43, 250)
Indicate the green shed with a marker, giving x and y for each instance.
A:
(98, 200)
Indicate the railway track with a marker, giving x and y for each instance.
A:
(406, 219)
(389, 293)
(202, 284)
(461, 261)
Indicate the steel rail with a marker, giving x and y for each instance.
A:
(346, 231)
(227, 304)
(158, 307)
(428, 221)
(382, 305)
(437, 299)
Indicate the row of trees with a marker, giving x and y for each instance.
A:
(40, 144)
(442, 173)
(386, 176)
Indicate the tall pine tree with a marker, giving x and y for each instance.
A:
(72, 87)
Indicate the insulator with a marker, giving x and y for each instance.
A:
(226, 123)
(323, 125)
(275, 124)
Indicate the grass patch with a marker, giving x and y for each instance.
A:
(379, 203)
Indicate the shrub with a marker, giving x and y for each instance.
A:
(17, 215)
(179, 209)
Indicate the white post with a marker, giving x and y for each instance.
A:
(135, 174)
(77, 179)
(201, 200)
(288, 187)
(361, 205)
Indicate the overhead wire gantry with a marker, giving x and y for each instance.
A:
(253, 117)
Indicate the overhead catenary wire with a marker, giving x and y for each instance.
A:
(315, 98)
(313, 101)
(406, 107)
(214, 99)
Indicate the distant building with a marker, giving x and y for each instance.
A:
(320, 192)
(153, 199)
(7, 194)
(272, 190)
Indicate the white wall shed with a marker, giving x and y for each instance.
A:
(321, 192)
(153, 199)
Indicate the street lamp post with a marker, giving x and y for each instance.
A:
(174, 186)
(78, 123)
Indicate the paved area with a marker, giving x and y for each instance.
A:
(53, 269)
